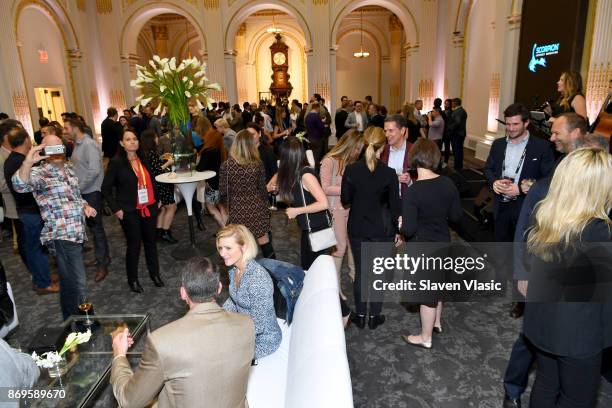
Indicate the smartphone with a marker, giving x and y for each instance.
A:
(55, 150)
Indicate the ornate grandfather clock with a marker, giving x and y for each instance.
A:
(280, 87)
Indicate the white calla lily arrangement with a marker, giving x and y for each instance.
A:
(52, 358)
(164, 84)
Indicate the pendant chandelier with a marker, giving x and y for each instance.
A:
(274, 29)
(361, 53)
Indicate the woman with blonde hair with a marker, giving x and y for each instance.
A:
(199, 122)
(414, 127)
(568, 329)
(242, 187)
(345, 152)
(371, 191)
(251, 288)
(571, 97)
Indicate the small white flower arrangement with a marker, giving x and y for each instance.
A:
(52, 358)
(166, 84)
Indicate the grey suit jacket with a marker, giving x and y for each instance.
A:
(200, 360)
(351, 120)
(17, 370)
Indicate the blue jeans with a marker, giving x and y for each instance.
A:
(38, 263)
(69, 257)
(97, 228)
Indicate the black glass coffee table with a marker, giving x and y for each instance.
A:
(88, 368)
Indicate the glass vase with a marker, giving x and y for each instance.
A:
(183, 151)
(58, 368)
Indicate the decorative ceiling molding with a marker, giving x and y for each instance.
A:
(209, 4)
(104, 6)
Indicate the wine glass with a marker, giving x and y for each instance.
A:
(85, 305)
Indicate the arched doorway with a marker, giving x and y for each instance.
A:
(388, 29)
(254, 60)
(49, 87)
(132, 44)
(168, 35)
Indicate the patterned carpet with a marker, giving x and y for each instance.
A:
(464, 369)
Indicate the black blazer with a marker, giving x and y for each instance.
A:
(457, 123)
(120, 185)
(111, 134)
(539, 162)
(568, 325)
(373, 198)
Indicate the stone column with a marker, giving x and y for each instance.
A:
(509, 66)
(600, 69)
(242, 83)
(230, 76)
(128, 72)
(334, 99)
(412, 76)
(13, 96)
(454, 62)
(81, 91)
(396, 29)
(160, 37)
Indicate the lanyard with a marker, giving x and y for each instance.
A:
(144, 179)
(520, 163)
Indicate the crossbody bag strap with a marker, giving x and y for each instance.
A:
(304, 201)
(329, 221)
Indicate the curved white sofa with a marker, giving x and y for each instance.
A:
(310, 368)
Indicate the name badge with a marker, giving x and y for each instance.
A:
(143, 196)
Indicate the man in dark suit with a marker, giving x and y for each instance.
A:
(395, 152)
(512, 159)
(200, 360)
(315, 131)
(42, 122)
(111, 134)
(457, 131)
(567, 133)
(340, 117)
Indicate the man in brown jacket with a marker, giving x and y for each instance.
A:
(200, 360)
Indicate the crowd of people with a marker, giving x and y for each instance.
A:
(379, 183)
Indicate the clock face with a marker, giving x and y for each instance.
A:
(279, 58)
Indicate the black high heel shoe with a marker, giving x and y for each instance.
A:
(135, 287)
(157, 281)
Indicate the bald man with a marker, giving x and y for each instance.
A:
(56, 190)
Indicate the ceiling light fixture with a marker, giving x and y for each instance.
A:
(274, 29)
(361, 53)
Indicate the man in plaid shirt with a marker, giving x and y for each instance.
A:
(56, 190)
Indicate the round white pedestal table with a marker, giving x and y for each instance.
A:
(187, 186)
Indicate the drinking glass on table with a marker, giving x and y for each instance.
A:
(85, 306)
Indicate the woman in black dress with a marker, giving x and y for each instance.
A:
(371, 189)
(429, 204)
(148, 147)
(130, 193)
(570, 243)
(212, 154)
(299, 187)
(571, 97)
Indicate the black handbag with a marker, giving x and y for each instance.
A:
(6, 304)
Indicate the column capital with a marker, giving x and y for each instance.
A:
(333, 49)
(458, 39)
(75, 54)
(129, 58)
(230, 53)
(514, 21)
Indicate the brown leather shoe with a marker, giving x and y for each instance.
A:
(53, 288)
(101, 274)
(54, 278)
(90, 263)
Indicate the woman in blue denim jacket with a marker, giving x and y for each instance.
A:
(251, 288)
